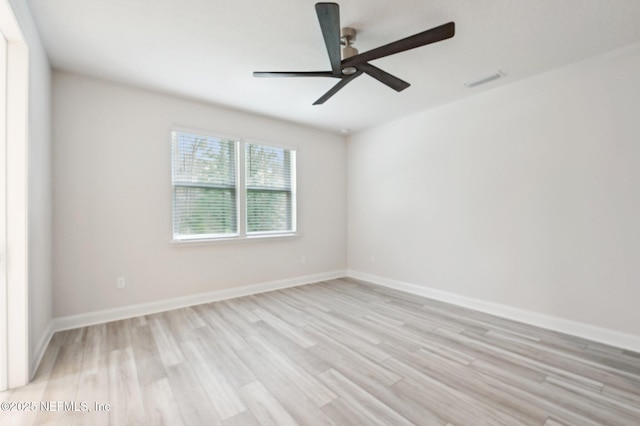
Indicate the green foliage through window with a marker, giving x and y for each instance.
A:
(204, 185)
(269, 189)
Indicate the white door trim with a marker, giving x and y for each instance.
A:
(16, 258)
(3, 210)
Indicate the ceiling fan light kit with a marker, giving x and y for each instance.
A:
(350, 64)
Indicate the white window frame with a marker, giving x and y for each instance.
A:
(241, 191)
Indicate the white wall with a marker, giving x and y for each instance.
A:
(527, 195)
(39, 203)
(112, 200)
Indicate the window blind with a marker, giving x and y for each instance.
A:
(204, 186)
(270, 202)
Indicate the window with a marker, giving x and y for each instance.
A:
(269, 189)
(211, 201)
(204, 187)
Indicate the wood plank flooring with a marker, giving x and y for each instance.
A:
(333, 353)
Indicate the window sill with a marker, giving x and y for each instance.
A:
(248, 239)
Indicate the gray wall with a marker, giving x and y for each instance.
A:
(526, 196)
(112, 180)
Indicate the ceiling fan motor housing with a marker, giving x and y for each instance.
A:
(347, 37)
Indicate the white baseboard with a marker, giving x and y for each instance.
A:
(575, 328)
(107, 315)
(41, 347)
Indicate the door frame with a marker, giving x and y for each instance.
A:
(15, 250)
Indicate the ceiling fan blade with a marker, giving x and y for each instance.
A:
(384, 77)
(329, 18)
(433, 35)
(293, 74)
(340, 85)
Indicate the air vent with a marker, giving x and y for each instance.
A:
(484, 79)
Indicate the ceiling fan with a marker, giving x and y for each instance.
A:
(350, 64)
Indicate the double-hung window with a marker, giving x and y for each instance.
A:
(228, 188)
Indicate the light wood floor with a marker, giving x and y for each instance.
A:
(338, 352)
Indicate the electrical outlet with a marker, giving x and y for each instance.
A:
(303, 259)
(120, 282)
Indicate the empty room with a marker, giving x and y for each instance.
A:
(314, 213)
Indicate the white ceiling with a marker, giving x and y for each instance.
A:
(208, 49)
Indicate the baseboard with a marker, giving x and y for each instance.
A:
(130, 311)
(574, 328)
(40, 348)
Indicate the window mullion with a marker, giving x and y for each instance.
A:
(242, 190)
